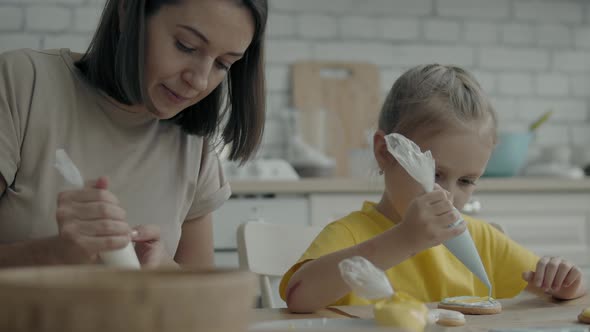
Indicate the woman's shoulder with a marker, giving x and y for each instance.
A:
(16, 61)
(28, 57)
(23, 64)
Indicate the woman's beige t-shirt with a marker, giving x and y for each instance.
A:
(160, 175)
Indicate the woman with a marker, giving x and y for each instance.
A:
(138, 113)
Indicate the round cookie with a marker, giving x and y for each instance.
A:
(584, 316)
(446, 317)
(471, 305)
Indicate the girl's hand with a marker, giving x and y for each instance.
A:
(90, 221)
(429, 219)
(150, 250)
(556, 276)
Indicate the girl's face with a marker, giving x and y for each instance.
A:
(189, 50)
(461, 155)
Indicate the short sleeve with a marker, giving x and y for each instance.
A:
(511, 260)
(17, 77)
(212, 189)
(506, 258)
(334, 237)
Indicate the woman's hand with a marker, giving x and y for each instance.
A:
(429, 219)
(150, 250)
(90, 221)
(556, 276)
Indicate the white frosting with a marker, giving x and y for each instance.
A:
(420, 165)
(434, 315)
(364, 278)
(488, 303)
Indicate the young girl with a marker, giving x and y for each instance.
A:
(444, 110)
(143, 105)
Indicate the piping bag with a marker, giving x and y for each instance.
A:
(420, 165)
(123, 258)
(392, 309)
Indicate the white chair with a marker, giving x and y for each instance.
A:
(269, 250)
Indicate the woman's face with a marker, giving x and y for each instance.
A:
(189, 50)
(461, 155)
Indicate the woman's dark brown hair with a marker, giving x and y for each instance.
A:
(115, 59)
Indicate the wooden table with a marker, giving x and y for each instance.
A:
(526, 310)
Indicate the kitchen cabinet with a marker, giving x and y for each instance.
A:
(556, 224)
(549, 216)
(290, 210)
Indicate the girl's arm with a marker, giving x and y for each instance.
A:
(318, 282)
(425, 224)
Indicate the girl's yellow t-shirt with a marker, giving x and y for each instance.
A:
(432, 274)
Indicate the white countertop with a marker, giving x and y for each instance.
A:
(375, 185)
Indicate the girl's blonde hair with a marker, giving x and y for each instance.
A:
(434, 97)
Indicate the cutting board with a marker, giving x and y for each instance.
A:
(339, 104)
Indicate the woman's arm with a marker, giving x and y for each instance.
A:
(36, 252)
(195, 248)
(33, 252)
(81, 235)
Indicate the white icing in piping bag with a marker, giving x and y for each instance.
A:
(364, 278)
(422, 168)
(125, 257)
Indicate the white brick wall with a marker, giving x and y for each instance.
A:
(554, 35)
(45, 18)
(11, 18)
(514, 59)
(352, 27)
(444, 31)
(529, 55)
(317, 26)
(496, 9)
(549, 10)
(398, 29)
(572, 61)
(86, 18)
(481, 32)
(412, 55)
(518, 34)
(582, 37)
(552, 85)
(516, 84)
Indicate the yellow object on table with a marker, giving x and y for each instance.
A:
(403, 311)
(584, 316)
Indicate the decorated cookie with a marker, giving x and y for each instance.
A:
(584, 316)
(471, 305)
(446, 317)
(401, 311)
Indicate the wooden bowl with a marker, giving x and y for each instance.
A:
(89, 298)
